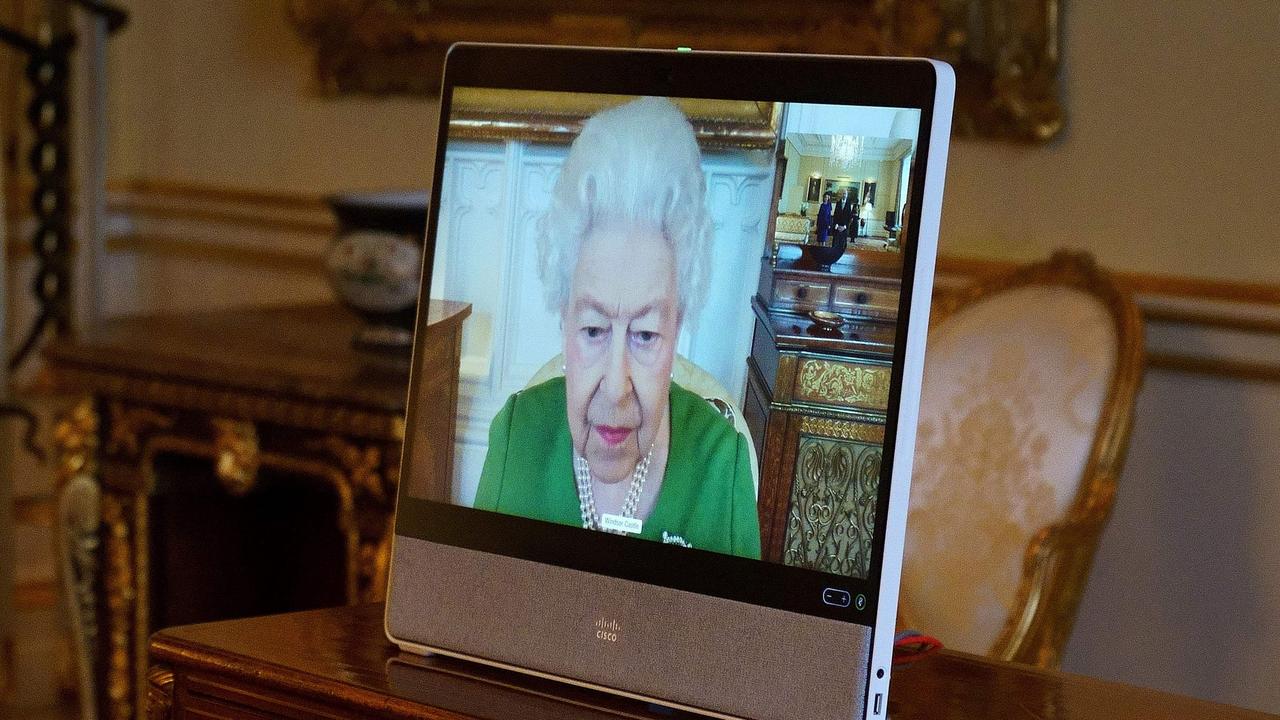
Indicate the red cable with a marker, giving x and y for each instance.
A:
(914, 647)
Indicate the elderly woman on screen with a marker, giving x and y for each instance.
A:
(615, 444)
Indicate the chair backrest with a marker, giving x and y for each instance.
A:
(791, 228)
(1026, 407)
(692, 378)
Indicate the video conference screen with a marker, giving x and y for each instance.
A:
(682, 319)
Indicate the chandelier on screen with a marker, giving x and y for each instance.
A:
(846, 150)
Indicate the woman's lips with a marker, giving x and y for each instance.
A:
(612, 435)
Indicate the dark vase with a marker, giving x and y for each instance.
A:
(825, 255)
(375, 263)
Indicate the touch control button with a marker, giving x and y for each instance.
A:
(860, 602)
(834, 596)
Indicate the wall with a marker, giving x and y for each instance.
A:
(1166, 166)
(221, 93)
(1145, 176)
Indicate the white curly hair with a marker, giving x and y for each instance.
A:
(635, 163)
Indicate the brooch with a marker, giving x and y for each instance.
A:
(672, 539)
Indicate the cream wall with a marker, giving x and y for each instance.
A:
(1169, 157)
(1166, 166)
(801, 167)
(221, 93)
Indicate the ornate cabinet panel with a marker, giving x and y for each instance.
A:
(832, 511)
(227, 464)
(815, 405)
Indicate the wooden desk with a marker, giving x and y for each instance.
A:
(228, 464)
(336, 663)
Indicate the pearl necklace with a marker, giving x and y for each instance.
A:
(587, 499)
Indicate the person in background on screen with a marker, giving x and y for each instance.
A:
(843, 215)
(616, 445)
(824, 218)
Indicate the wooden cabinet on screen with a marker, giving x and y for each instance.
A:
(816, 403)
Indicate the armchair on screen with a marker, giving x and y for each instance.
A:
(1027, 403)
(790, 229)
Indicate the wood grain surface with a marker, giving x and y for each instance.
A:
(336, 663)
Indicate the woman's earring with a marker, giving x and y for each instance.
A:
(563, 368)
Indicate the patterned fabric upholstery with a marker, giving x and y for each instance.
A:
(1014, 387)
(791, 228)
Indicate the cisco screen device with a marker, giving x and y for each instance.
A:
(678, 426)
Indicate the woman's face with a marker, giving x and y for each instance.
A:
(620, 330)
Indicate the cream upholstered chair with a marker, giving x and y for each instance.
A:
(1026, 407)
(692, 378)
(791, 228)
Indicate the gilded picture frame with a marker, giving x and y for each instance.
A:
(485, 114)
(814, 192)
(1005, 52)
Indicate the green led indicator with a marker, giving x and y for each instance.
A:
(684, 49)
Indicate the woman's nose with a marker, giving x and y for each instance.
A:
(617, 375)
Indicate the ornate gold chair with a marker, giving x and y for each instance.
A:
(1027, 403)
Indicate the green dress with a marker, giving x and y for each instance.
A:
(707, 499)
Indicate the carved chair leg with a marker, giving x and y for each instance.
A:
(78, 498)
(78, 513)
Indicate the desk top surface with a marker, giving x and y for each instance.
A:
(341, 654)
(302, 351)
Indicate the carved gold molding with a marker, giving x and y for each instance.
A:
(831, 381)
(129, 423)
(842, 429)
(121, 596)
(235, 449)
(363, 465)
(535, 116)
(228, 403)
(1177, 286)
(376, 481)
(76, 438)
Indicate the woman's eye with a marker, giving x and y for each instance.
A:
(593, 332)
(645, 337)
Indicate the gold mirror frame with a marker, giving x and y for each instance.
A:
(1005, 52)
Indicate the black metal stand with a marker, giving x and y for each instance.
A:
(48, 64)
